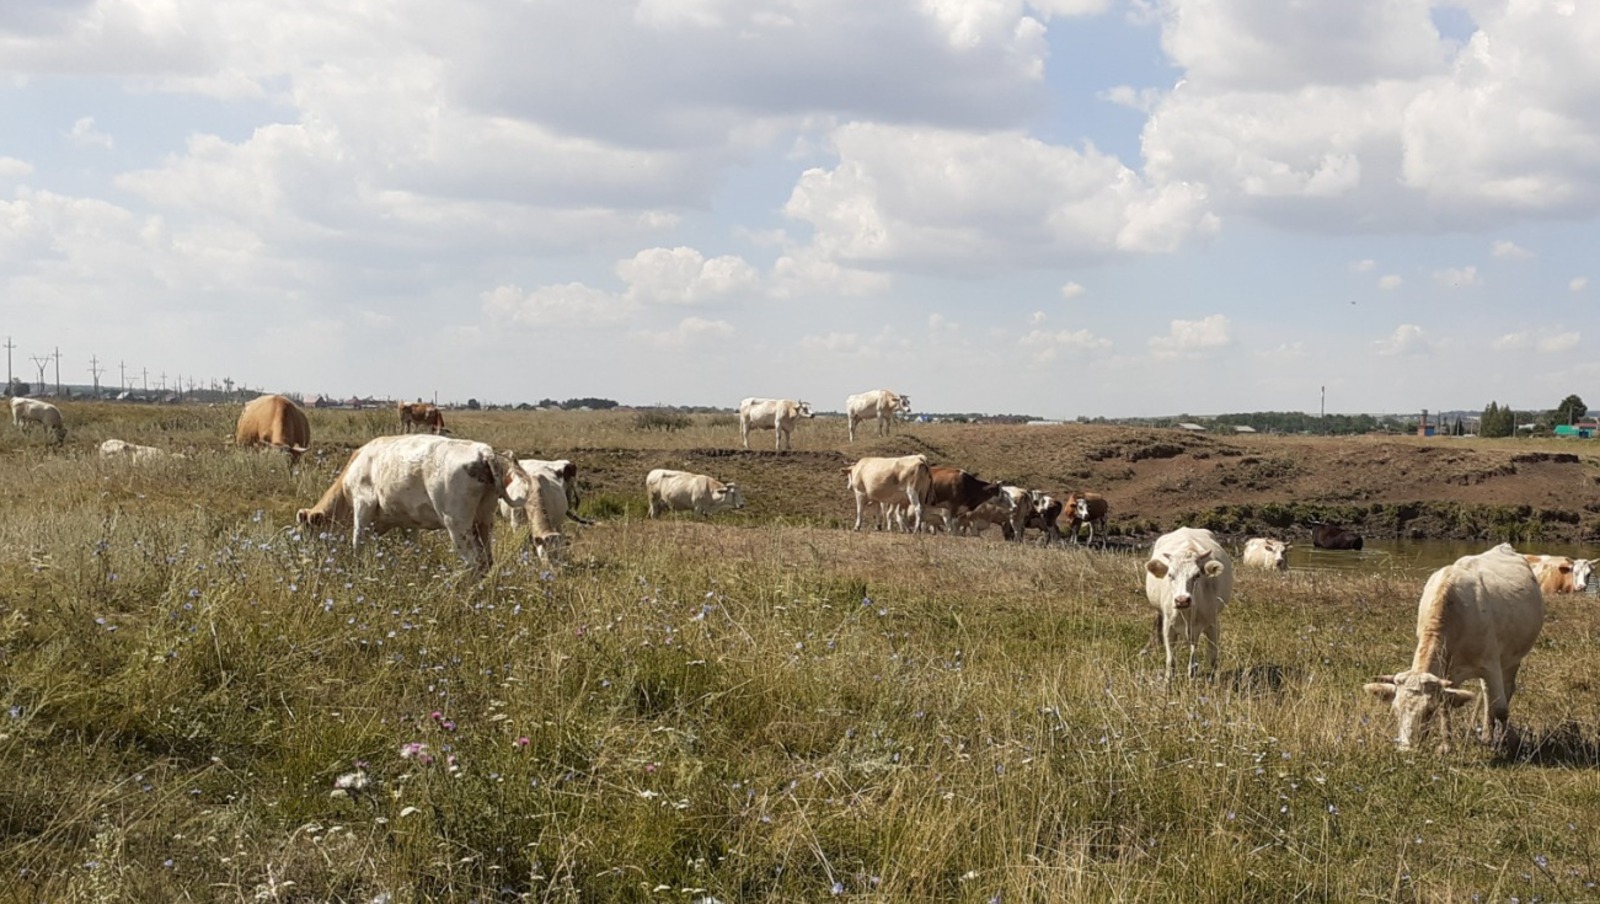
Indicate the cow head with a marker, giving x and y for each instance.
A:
(1416, 697)
(905, 404)
(1581, 569)
(1081, 511)
(1183, 572)
(1278, 552)
(803, 409)
(729, 495)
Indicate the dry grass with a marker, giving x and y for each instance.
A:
(745, 710)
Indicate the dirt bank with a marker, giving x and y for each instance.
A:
(1156, 479)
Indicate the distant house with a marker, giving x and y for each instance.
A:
(1191, 428)
(1243, 428)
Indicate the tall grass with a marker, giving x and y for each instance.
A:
(692, 711)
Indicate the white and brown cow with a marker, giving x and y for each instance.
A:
(421, 415)
(1012, 515)
(1189, 578)
(275, 421)
(887, 483)
(877, 404)
(1267, 553)
(1478, 618)
(26, 412)
(1044, 512)
(771, 414)
(682, 491)
(1087, 508)
(1560, 574)
(425, 482)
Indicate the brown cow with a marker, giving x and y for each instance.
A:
(958, 492)
(272, 420)
(1087, 508)
(422, 415)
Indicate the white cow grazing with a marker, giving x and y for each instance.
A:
(771, 414)
(116, 448)
(424, 481)
(681, 491)
(889, 482)
(549, 505)
(1478, 618)
(1188, 579)
(1260, 552)
(879, 404)
(32, 411)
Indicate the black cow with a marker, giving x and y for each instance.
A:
(1328, 536)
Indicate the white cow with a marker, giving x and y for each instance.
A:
(549, 505)
(771, 414)
(26, 411)
(1261, 552)
(880, 404)
(116, 448)
(1188, 578)
(1560, 574)
(681, 491)
(1477, 618)
(889, 482)
(428, 482)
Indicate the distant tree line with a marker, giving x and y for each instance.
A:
(573, 404)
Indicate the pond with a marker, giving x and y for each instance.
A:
(1419, 557)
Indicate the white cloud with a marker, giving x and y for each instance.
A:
(683, 276)
(1366, 265)
(1458, 277)
(85, 135)
(1141, 99)
(1549, 343)
(691, 331)
(1578, 284)
(1072, 290)
(1193, 337)
(571, 305)
(11, 166)
(1390, 281)
(1047, 346)
(1513, 342)
(1407, 339)
(1510, 250)
(1288, 351)
(957, 201)
(1560, 342)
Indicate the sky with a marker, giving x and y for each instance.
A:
(1057, 207)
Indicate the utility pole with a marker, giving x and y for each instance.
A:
(96, 369)
(122, 377)
(41, 362)
(58, 370)
(163, 381)
(144, 374)
(9, 379)
(1323, 410)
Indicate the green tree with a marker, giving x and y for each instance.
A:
(1497, 421)
(1568, 412)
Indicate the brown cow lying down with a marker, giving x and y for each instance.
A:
(426, 482)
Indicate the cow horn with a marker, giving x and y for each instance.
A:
(1383, 679)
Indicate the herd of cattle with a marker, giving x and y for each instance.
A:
(1477, 619)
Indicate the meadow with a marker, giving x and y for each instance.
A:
(203, 703)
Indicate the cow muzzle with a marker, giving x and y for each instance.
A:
(1182, 601)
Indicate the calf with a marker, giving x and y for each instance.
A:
(1478, 618)
(1188, 578)
(1010, 512)
(1091, 509)
(1044, 510)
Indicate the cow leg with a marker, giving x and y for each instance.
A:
(655, 503)
(744, 433)
(850, 421)
(1168, 626)
(1497, 706)
(1213, 634)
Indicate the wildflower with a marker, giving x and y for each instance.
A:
(522, 741)
(416, 750)
(352, 781)
(838, 889)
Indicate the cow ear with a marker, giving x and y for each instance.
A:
(1383, 690)
(1156, 567)
(1565, 569)
(1213, 568)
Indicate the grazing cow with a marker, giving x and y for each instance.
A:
(116, 448)
(550, 504)
(958, 492)
(1260, 552)
(1011, 514)
(1044, 510)
(422, 416)
(563, 472)
(1560, 574)
(1477, 618)
(1188, 578)
(1328, 536)
(771, 414)
(1091, 509)
(879, 404)
(425, 482)
(681, 491)
(26, 411)
(889, 482)
(272, 420)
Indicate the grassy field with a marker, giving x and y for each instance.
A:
(761, 708)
